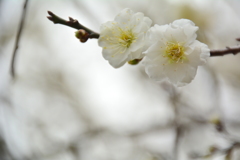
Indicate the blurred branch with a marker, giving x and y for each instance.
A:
(229, 151)
(71, 23)
(151, 130)
(178, 132)
(19, 33)
(216, 151)
(174, 98)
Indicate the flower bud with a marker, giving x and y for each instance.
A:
(134, 62)
(82, 35)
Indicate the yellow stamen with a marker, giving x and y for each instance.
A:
(126, 38)
(175, 53)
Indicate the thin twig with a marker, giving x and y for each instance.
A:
(19, 33)
(222, 52)
(71, 23)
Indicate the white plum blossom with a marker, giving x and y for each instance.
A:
(174, 53)
(123, 39)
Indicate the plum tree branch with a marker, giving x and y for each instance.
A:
(71, 23)
(222, 52)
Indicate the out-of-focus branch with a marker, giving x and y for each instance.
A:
(71, 23)
(216, 151)
(178, 132)
(229, 151)
(174, 97)
(19, 33)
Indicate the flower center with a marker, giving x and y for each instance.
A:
(175, 53)
(126, 38)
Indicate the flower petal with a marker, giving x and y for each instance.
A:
(156, 72)
(138, 43)
(175, 35)
(140, 28)
(136, 55)
(116, 57)
(155, 50)
(136, 19)
(156, 33)
(175, 72)
(200, 52)
(188, 27)
(147, 20)
(190, 74)
(124, 16)
(182, 23)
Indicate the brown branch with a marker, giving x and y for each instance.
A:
(71, 23)
(19, 33)
(222, 52)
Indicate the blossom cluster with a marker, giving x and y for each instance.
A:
(169, 52)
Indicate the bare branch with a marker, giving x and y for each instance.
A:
(228, 50)
(19, 33)
(71, 23)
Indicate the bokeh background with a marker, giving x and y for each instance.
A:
(68, 103)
